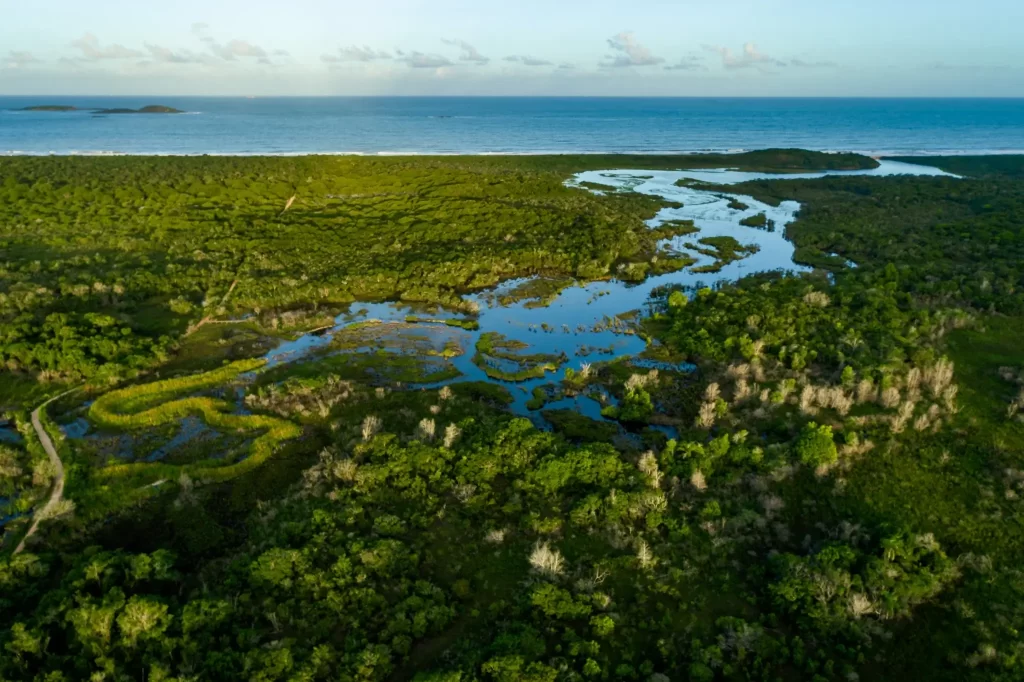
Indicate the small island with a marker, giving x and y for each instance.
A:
(51, 107)
(151, 109)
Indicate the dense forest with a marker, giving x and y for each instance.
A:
(821, 477)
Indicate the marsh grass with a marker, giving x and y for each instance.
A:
(493, 349)
(137, 407)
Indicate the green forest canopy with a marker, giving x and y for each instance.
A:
(843, 499)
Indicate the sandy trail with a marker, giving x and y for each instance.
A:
(57, 493)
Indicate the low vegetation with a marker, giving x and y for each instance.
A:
(499, 358)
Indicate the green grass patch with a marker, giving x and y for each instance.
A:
(760, 221)
(496, 356)
(723, 249)
(150, 405)
(539, 399)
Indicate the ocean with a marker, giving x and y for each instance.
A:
(511, 125)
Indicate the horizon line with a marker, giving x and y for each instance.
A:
(449, 96)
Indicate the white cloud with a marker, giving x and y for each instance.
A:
(420, 60)
(238, 48)
(800, 63)
(749, 58)
(233, 49)
(91, 49)
(469, 53)
(18, 59)
(690, 63)
(946, 66)
(355, 53)
(528, 61)
(167, 55)
(630, 52)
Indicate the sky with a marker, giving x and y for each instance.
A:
(517, 47)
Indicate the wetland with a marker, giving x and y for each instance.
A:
(704, 417)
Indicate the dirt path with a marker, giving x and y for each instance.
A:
(57, 493)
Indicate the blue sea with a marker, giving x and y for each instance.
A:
(513, 125)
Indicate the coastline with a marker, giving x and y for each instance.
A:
(874, 154)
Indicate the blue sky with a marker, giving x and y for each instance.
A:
(518, 47)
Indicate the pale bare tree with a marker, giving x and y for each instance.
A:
(712, 392)
(818, 299)
(649, 466)
(899, 421)
(860, 604)
(345, 470)
(706, 418)
(890, 397)
(546, 560)
(697, 480)
(425, 429)
(949, 398)
(451, 434)
(939, 376)
(371, 425)
(742, 390)
(866, 392)
(807, 399)
(644, 555)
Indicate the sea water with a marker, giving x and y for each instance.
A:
(510, 125)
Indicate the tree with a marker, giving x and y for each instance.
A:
(515, 669)
(636, 406)
(815, 447)
(142, 618)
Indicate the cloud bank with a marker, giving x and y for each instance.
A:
(629, 52)
(168, 56)
(528, 61)
(469, 53)
(91, 50)
(356, 53)
(750, 57)
(421, 60)
(690, 63)
(18, 59)
(455, 60)
(233, 49)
